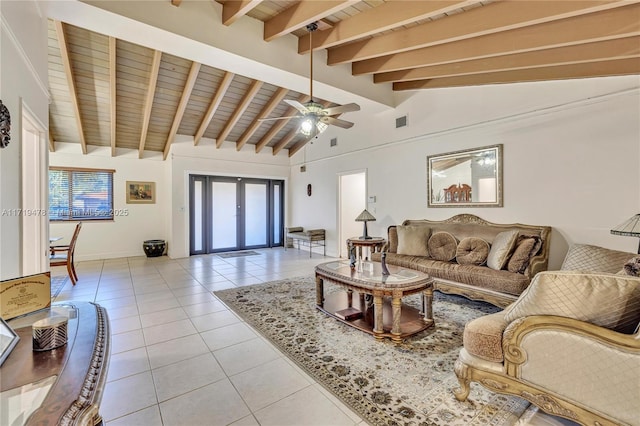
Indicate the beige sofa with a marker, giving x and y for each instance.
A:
(570, 344)
(472, 279)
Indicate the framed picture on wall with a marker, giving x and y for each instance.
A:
(141, 192)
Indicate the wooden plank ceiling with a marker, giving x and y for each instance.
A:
(113, 93)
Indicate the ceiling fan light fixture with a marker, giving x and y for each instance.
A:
(311, 126)
(307, 125)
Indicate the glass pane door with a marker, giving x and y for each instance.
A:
(224, 211)
(234, 213)
(256, 214)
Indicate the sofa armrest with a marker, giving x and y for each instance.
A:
(578, 361)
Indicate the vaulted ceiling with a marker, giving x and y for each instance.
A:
(112, 92)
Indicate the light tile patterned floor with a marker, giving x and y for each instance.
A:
(180, 357)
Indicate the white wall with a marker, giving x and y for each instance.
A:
(133, 223)
(571, 153)
(23, 77)
(206, 159)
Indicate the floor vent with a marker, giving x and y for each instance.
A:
(334, 142)
(401, 121)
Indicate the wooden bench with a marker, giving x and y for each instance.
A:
(311, 238)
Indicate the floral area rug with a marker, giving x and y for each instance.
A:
(407, 384)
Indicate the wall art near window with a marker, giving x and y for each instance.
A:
(5, 126)
(468, 178)
(141, 192)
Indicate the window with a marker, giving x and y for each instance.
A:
(80, 194)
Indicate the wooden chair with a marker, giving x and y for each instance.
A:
(63, 255)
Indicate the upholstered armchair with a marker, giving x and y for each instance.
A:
(569, 344)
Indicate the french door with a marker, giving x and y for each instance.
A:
(234, 213)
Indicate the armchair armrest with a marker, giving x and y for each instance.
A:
(576, 361)
(57, 249)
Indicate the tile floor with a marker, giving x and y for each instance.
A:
(180, 357)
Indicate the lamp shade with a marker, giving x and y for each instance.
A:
(365, 216)
(630, 228)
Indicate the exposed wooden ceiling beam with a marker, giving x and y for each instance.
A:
(492, 18)
(182, 106)
(52, 144)
(561, 72)
(591, 52)
(284, 141)
(606, 25)
(301, 14)
(232, 10)
(213, 106)
(68, 70)
(279, 124)
(298, 146)
(148, 105)
(277, 97)
(377, 19)
(112, 93)
(240, 109)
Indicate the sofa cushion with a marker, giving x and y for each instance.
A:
(526, 247)
(412, 240)
(483, 336)
(479, 276)
(442, 246)
(632, 267)
(607, 300)
(472, 251)
(501, 249)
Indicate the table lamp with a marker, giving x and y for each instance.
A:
(365, 217)
(630, 228)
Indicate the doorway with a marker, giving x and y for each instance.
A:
(352, 199)
(35, 187)
(234, 213)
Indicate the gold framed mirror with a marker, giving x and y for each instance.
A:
(467, 178)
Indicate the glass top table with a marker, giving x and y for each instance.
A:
(378, 307)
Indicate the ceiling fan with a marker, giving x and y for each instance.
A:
(315, 117)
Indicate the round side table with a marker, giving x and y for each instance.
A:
(373, 244)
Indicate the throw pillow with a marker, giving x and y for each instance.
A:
(472, 251)
(607, 300)
(632, 267)
(526, 248)
(442, 246)
(412, 240)
(501, 249)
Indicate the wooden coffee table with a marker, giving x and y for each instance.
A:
(386, 316)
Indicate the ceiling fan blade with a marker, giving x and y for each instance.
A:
(278, 118)
(297, 105)
(337, 122)
(342, 109)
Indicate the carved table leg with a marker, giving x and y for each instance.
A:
(319, 291)
(396, 308)
(349, 298)
(377, 315)
(427, 305)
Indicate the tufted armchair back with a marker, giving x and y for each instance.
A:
(585, 257)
